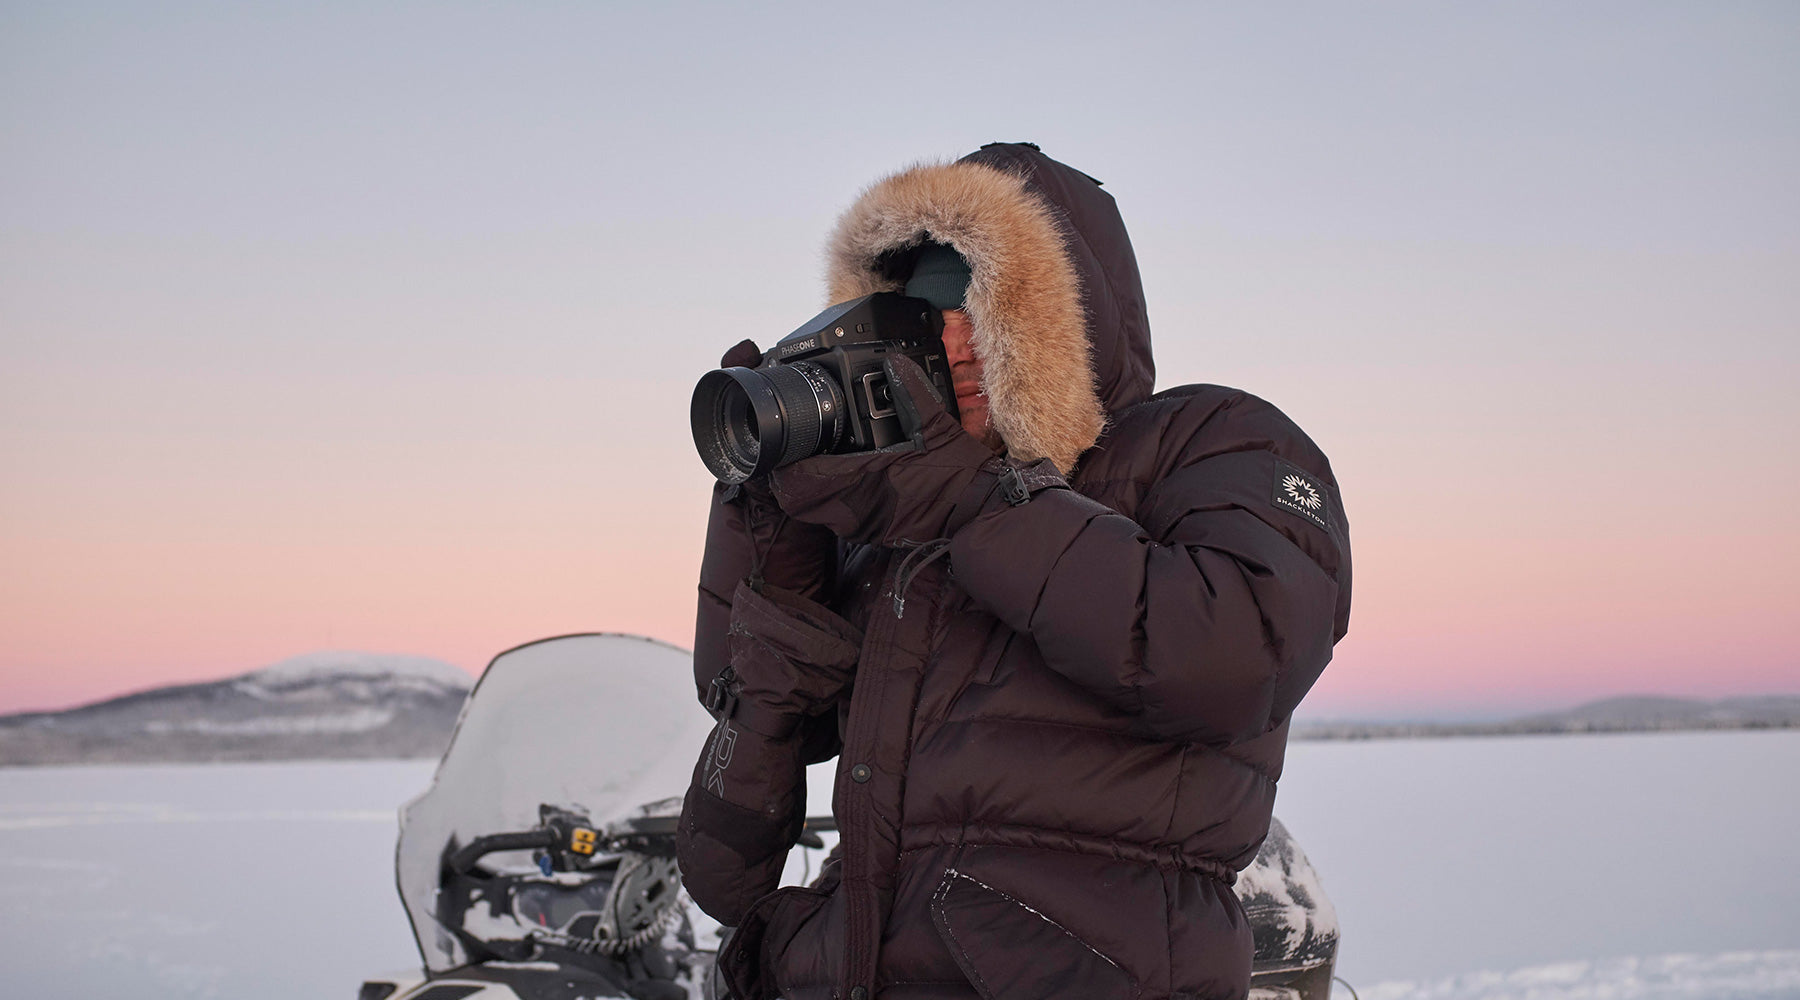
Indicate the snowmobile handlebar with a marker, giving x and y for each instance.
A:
(464, 860)
(645, 834)
(664, 826)
(809, 830)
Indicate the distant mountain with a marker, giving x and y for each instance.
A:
(1629, 714)
(334, 705)
(340, 705)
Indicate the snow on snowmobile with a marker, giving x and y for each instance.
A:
(540, 864)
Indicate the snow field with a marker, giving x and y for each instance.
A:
(1447, 856)
(1653, 867)
(1744, 975)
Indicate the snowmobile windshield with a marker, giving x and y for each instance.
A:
(596, 724)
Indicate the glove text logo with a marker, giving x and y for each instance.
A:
(724, 742)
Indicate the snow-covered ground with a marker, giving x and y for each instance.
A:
(208, 880)
(1447, 857)
(1741, 975)
(1655, 867)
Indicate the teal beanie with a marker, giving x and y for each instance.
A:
(940, 277)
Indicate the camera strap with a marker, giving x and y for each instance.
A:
(914, 564)
(756, 519)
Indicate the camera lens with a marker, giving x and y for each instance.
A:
(748, 421)
(742, 432)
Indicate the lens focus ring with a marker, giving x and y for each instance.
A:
(811, 405)
(747, 422)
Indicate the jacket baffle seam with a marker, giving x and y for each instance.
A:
(1168, 856)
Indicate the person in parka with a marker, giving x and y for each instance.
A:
(1058, 678)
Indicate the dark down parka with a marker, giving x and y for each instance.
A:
(1055, 760)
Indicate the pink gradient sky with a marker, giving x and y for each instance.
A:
(324, 328)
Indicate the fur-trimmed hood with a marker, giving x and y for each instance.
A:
(1054, 299)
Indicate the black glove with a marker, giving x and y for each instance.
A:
(790, 659)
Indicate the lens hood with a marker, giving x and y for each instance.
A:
(737, 423)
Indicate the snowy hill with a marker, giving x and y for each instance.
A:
(1642, 713)
(1629, 714)
(335, 705)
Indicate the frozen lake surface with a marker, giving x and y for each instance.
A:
(1639, 867)
(1538, 866)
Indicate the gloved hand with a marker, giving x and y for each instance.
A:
(743, 354)
(921, 489)
(749, 537)
(790, 659)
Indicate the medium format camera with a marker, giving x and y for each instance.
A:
(820, 389)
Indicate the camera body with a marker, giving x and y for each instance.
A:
(819, 389)
(850, 341)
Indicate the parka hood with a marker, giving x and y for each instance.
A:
(1055, 300)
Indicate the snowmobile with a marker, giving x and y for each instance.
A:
(540, 863)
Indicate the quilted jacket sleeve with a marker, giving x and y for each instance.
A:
(1209, 616)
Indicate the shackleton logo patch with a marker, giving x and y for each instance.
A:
(1298, 492)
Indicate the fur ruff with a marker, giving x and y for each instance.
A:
(1024, 299)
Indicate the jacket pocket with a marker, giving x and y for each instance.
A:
(757, 963)
(1012, 951)
(1000, 639)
